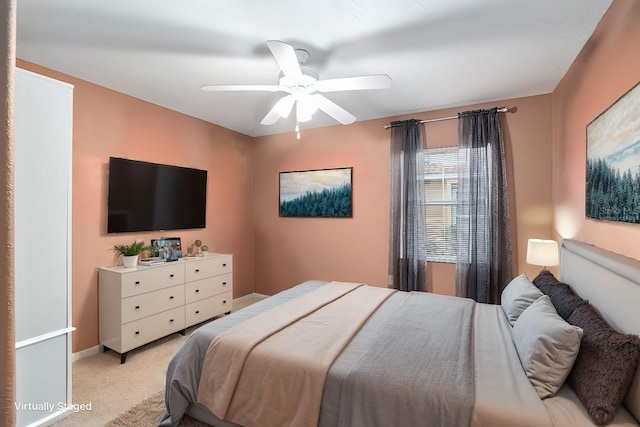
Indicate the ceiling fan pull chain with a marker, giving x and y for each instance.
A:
(297, 130)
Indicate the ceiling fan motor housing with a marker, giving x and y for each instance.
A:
(308, 78)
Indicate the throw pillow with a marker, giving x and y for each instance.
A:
(517, 296)
(605, 365)
(564, 299)
(547, 346)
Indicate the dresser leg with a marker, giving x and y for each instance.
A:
(183, 332)
(123, 357)
(227, 312)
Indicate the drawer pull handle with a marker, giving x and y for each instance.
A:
(171, 275)
(197, 291)
(137, 332)
(137, 307)
(224, 264)
(137, 282)
(197, 311)
(224, 302)
(170, 320)
(171, 297)
(197, 270)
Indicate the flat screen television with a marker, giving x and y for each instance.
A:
(147, 196)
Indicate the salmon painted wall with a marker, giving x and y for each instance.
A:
(607, 67)
(292, 250)
(280, 252)
(107, 123)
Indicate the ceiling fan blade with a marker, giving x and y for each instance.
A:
(286, 58)
(333, 109)
(236, 88)
(282, 109)
(376, 81)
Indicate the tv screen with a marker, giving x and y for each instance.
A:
(147, 196)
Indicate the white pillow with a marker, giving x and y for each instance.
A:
(517, 296)
(547, 346)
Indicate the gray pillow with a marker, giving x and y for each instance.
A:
(517, 296)
(547, 346)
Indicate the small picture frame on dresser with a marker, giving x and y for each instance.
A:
(167, 248)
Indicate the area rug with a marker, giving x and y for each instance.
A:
(148, 413)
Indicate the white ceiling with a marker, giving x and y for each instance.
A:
(439, 53)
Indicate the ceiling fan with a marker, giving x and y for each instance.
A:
(304, 88)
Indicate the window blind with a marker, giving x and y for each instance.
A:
(441, 191)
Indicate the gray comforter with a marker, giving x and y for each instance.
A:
(411, 364)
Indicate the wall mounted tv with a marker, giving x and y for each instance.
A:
(147, 196)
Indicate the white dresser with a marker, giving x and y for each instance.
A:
(141, 304)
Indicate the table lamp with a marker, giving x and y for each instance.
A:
(542, 252)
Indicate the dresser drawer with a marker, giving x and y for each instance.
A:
(143, 331)
(143, 305)
(146, 279)
(205, 288)
(207, 267)
(205, 309)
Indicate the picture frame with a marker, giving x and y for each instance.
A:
(613, 161)
(167, 248)
(318, 193)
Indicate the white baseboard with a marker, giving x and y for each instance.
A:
(250, 296)
(85, 353)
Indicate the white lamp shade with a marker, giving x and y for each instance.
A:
(542, 252)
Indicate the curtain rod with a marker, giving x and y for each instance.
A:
(500, 110)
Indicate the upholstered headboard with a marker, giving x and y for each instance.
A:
(611, 283)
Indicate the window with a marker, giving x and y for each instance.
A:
(441, 194)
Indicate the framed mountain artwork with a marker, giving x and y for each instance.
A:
(317, 193)
(613, 161)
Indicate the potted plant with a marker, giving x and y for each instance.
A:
(130, 252)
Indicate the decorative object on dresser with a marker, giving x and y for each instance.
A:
(140, 305)
(130, 252)
(167, 248)
(195, 249)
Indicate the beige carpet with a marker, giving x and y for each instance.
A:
(108, 389)
(147, 413)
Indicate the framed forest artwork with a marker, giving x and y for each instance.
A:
(317, 193)
(613, 161)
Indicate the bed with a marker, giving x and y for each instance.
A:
(494, 369)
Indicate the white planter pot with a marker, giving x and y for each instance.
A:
(130, 261)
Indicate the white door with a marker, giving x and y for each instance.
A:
(43, 139)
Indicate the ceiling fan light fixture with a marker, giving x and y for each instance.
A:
(305, 108)
(303, 118)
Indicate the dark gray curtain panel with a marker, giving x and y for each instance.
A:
(484, 262)
(407, 230)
